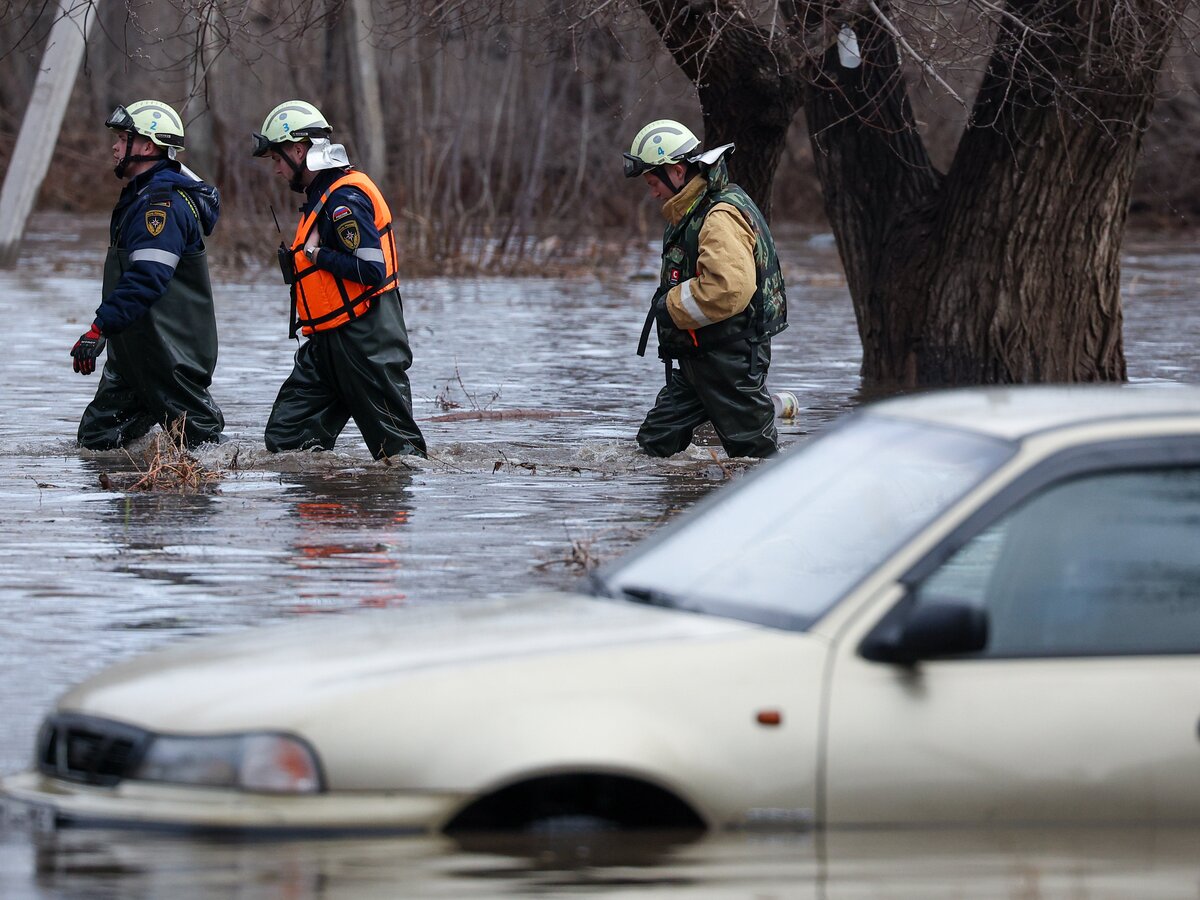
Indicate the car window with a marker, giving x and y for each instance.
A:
(783, 546)
(1107, 564)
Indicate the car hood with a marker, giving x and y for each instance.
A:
(256, 678)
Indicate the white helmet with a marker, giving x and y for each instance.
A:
(152, 119)
(665, 142)
(292, 120)
(661, 143)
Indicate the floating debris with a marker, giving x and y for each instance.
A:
(169, 468)
(475, 415)
(580, 556)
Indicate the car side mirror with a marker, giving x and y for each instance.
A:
(930, 629)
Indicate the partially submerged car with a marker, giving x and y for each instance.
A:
(977, 606)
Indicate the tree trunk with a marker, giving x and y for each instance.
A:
(1006, 269)
(43, 118)
(1035, 281)
(748, 80)
(879, 188)
(1009, 269)
(366, 105)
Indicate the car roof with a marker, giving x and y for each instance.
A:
(1018, 411)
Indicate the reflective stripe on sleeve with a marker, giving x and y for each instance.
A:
(155, 256)
(370, 255)
(690, 306)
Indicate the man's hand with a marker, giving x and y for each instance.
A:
(86, 349)
(312, 246)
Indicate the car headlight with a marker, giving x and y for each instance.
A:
(273, 763)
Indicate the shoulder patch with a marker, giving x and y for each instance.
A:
(156, 220)
(349, 234)
(339, 212)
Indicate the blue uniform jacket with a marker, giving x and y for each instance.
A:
(156, 225)
(351, 246)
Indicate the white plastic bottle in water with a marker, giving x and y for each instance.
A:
(786, 405)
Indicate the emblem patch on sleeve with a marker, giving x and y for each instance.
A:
(349, 234)
(156, 220)
(339, 212)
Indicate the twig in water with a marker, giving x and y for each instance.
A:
(169, 467)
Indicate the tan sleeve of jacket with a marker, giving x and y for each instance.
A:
(725, 275)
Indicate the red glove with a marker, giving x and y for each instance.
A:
(86, 349)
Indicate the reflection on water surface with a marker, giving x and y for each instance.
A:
(1021, 864)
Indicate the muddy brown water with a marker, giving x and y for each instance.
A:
(545, 480)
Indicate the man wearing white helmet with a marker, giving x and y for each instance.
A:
(342, 270)
(720, 298)
(156, 314)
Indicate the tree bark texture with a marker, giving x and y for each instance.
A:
(1031, 218)
(880, 190)
(749, 82)
(1006, 268)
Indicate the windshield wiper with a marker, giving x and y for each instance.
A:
(653, 597)
(647, 596)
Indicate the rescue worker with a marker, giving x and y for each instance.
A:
(720, 298)
(156, 314)
(341, 267)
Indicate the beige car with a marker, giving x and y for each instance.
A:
(978, 606)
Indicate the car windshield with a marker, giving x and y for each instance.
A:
(782, 547)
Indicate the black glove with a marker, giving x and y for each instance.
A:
(86, 349)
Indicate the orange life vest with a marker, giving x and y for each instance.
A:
(322, 300)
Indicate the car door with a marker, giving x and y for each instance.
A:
(1084, 704)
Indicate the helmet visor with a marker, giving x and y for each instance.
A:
(120, 119)
(262, 145)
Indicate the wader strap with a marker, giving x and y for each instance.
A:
(667, 363)
(650, 317)
(760, 323)
(754, 369)
(647, 325)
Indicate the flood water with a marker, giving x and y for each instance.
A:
(89, 576)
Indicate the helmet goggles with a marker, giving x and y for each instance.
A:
(262, 144)
(120, 120)
(635, 166)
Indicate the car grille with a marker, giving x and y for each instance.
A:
(89, 750)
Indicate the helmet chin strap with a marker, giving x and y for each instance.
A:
(120, 168)
(295, 182)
